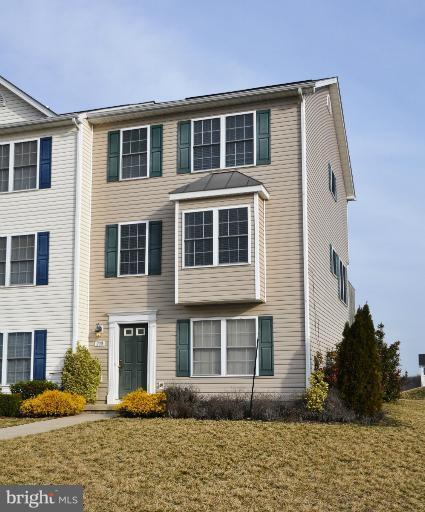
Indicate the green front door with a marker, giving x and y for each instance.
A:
(133, 357)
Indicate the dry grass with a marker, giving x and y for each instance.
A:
(166, 465)
(414, 394)
(12, 422)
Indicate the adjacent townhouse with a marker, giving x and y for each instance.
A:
(192, 242)
(44, 228)
(219, 240)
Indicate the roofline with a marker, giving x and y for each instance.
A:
(26, 97)
(341, 133)
(36, 124)
(260, 189)
(208, 101)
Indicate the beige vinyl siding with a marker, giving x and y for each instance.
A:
(147, 199)
(222, 283)
(84, 233)
(327, 224)
(45, 307)
(16, 109)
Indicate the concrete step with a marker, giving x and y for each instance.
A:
(107, 409)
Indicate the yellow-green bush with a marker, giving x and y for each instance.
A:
(139, 403)
(53, 403)
(317, 393)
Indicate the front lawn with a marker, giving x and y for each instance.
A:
(414, 394)
(12, 422)
(190, 466)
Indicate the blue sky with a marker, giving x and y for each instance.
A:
(73, 55)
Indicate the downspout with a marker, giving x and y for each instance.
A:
(77, 227)
(305, 242)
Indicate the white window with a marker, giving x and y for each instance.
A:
(3, 244)
(16, 357)
(4, 167)
(224, 141)
(222, 347)
(332, 182)
(217, 236)
(198, 238)
(19, 165)
(133, 249)
(206, 144)
(334, 261)
(342, 282)
(135, 153)
(17, 259)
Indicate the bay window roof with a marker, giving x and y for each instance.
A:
(220, 184)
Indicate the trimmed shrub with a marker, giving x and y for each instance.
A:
(268, 408)
(53, 403)
(81, 373)
(317, 392)
(10, 404)
(182, 402)
(139, 403)
(359, 366)
(32, 388)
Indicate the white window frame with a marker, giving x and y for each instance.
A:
(215, 211)
(9, 262)
(340, 281)
(223, 339)
(146, 248)
(3, 383)
(331, 262)
(12, 163)
(331, 177)
(148, 156)
(222, 141)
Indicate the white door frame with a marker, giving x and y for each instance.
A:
(115, 320)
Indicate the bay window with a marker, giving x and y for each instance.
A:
(217, 236)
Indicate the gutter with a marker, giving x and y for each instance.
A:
(37, 124)
(77, 226)
(195, 103)
(305, 241)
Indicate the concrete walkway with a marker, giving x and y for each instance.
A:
(37, 427)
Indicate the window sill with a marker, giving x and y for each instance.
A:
(223, 376)
(243, 264)
(19, 286)
(216, 169)
(131, 275)
(137, 178)
(5, 192)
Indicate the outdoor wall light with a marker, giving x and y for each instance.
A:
(98, 329)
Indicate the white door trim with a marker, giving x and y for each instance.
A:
(115, 320)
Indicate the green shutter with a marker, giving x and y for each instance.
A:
(183, 148)
(263, 137)
(156, 151)
(183, 348)
(265, 334)
(111, 250)
(113, 156)
(155, 247)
